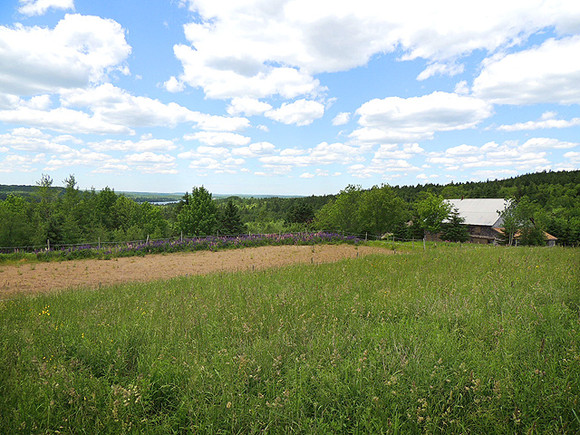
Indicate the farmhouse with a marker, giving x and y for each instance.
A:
(483, 219)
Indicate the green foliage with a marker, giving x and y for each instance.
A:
(68, 215)
(230, 221)
(524, 223)
(452, 340)
(375, 211)
(300, 213)
(431, 211)
(454, 230)
(13, 215)
(198, 216)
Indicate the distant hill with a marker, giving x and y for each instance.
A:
(527, 184)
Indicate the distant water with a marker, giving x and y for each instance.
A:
(161, 202)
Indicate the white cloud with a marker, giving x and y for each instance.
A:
(149, 157)
(254, 150)
(341, 119)
(529, 156)
(240, 48)
(546, 143)
(21, 163)
(549, 73)
(395, 120)
(174, 85)
(381, 167)
(440, 68)
(74, 157)
(116, 106)
(300, 112)
(62, 119)
(128, 145)
(573, 157)
(229, 165)
(39, 7)
(218, 138)
(79, 50)
(394, 152)
(542, 124)
(322, 154)
(247, 107)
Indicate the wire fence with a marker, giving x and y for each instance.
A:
(102, 244)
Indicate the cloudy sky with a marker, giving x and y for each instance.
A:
(286, 96)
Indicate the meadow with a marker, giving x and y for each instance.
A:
(450, 340)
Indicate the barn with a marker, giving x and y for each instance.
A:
(483, 219)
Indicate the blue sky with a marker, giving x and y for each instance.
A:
(286, 96)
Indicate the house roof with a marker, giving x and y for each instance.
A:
(480, 211)
(517, 235)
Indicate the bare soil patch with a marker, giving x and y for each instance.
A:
(42, 277)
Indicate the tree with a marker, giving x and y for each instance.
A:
(454, 230)
(381, 210)
(300, 213)
(199, 216)
(342, 213)
(525, 220)
(431, 210)
(15, 223)
(106, 200)
(230, 221)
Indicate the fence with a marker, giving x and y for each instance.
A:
(99, 244)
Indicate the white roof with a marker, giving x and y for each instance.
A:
(480, 211)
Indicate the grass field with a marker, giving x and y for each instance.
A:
(454, 340)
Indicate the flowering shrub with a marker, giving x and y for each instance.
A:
(211, 243)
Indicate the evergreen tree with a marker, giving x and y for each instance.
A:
(300, 213)
(230, 221)
(454, 230)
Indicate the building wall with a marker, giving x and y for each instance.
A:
(481, 234)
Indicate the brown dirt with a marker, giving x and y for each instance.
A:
(42, 277)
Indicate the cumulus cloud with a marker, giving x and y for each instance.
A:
(113, 111)
(149, 157)
(549, 73)
(142, 145)
(547, 121)
(62, 119)
(441, 69)
(247, 107)
(322, 154)
(341, 119)
(254, 150)
(529, 156)
(39, 7)
(242, 48)
(218, 138)
(300, 112)
(395, 120)
(80, 50)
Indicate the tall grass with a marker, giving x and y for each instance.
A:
(468, 340)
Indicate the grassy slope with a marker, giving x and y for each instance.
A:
(473, 339)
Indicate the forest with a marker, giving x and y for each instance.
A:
(60, 215)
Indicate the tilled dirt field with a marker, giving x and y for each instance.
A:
(42, 277)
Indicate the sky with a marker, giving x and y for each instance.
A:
(287, 97)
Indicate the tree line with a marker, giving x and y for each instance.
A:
(548, 201)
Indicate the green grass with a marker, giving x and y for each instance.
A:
(453, 340)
